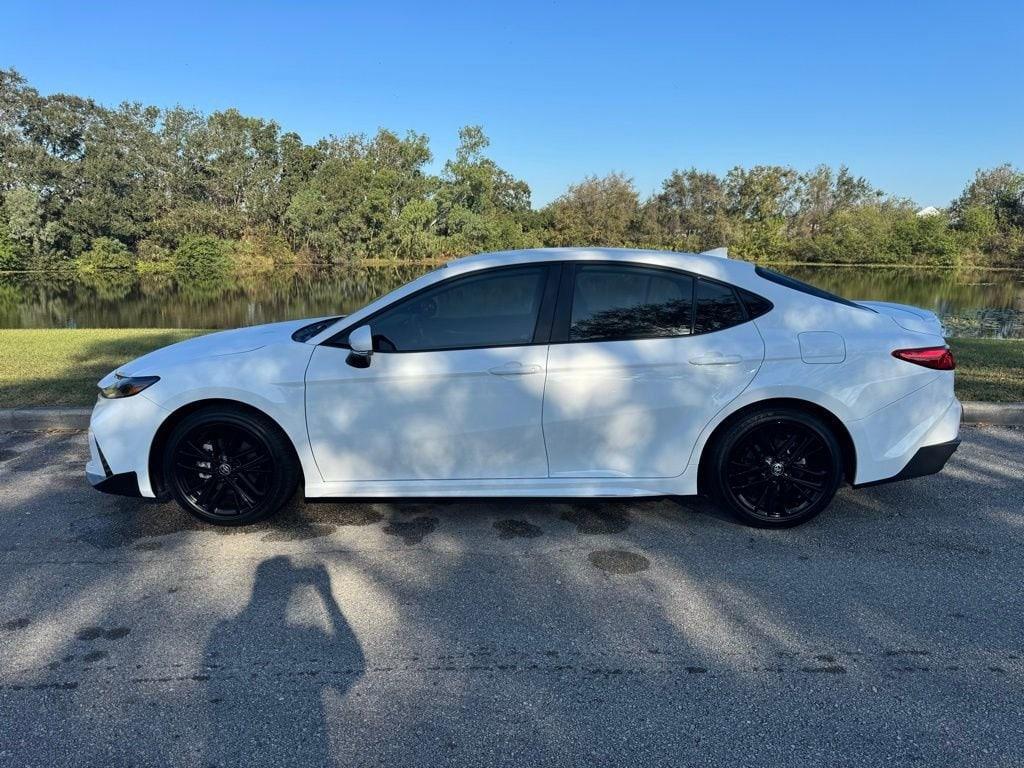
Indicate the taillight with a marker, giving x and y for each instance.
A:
(939, 358)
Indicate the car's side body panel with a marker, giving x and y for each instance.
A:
(447, 415)
(635, 408)
(621, 418)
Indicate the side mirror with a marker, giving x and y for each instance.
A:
(360, 342)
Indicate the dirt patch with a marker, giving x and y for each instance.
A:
(411, 531)
(597, 519)
(99, 633)
(618, 561)
(516, 529)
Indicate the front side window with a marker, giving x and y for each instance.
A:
(494, 309)
(611, 303)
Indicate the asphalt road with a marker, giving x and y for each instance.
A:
(888, 631)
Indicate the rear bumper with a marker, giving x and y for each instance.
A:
(888, 440)
(928, 460)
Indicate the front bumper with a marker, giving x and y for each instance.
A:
(102, 478)
(120, 435)
(124, 484)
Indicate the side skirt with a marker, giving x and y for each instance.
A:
(684, 485)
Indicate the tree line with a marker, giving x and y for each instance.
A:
(142, 188)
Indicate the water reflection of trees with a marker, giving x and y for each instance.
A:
(946, 290)
(109, 284)
(966, 300)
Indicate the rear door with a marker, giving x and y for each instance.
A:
(641, 360)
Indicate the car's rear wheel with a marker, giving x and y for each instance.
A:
(776, 468)
(228, 466)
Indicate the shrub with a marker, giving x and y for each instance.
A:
(925, 240)
(260, 251)
(154, 259)
(201, 257)
(105, 253)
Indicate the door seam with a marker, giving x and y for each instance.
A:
(543, 396)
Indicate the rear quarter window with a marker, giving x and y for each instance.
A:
(756, 305)
(716, 307)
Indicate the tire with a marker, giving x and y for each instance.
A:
(776, 468)
(228, 466)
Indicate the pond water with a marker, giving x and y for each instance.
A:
(981, 303)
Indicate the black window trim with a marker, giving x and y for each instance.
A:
(795, 284)
(555, 315)
(541, 329)
(563, 312)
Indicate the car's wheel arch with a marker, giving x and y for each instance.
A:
(159, 443)
(835, 424)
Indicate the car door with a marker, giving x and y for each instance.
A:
(453, 389)
(641, 359)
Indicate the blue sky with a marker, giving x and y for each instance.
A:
(915, 96)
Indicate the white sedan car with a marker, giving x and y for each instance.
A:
(550, 373)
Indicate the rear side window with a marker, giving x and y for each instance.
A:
(612, 303)
(799, 285)
(716, 307)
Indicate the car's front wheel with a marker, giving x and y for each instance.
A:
(776, 468)
(228, 466)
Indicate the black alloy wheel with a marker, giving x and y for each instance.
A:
(777, 468)
(229, 467)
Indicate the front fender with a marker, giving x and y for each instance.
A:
(270, 380)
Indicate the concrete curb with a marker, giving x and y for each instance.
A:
(1002, 414)
(77, 419)
(45, 419)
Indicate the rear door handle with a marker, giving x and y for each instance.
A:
(514, 369)
(716, 359)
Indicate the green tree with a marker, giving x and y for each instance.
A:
(597, 211)
(162, 181)
(999, 189)
(352, 203)
(691, 211)
(12, 257)
(480, 206)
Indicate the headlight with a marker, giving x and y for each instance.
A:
(126, 386)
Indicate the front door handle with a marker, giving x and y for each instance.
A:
(716, 359)
(514, 369)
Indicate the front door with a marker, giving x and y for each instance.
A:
(649, 357)
(453, 391)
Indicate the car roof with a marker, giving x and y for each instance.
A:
(701, 263)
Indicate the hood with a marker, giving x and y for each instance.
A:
(213, 345)
(907, 317)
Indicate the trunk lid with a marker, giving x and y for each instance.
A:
(907, 317)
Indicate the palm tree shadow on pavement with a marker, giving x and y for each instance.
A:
(272, 666)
